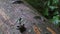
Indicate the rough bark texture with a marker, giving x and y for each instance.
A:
(10, 13)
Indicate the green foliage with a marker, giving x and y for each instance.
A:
(48, 8)
(53, 7)
(55, 1)
(45, 12)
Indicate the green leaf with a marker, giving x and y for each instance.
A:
(53, 7)
(48, 3)
(55, 19)
(46, 12)
(56, 13)
(55, 1)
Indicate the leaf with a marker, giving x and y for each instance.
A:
(55, 19)
(55, 1)
(53, 7)
(46, 12)
(56, 13)
(48, 3)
